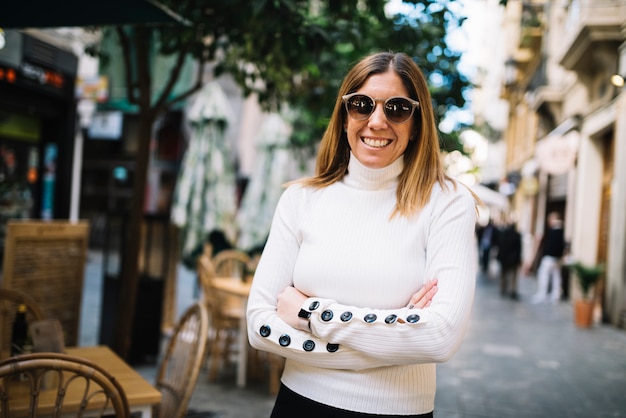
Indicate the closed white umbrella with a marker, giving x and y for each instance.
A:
(205, 194)
(272, 168)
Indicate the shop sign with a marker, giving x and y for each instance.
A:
(33, 75)
(106, 125)
(556, 154)
(93, 88)
(529, 186)
(42, 75)
(7, 75)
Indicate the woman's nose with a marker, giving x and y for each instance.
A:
(377, 118)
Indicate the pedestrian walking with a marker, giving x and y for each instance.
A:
(485, 241)
(508, 242)
(551, 251)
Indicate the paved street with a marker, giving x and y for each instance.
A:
(518, 360)
(529, 361)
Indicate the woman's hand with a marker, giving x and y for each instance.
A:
(290, 301)
(423, 297)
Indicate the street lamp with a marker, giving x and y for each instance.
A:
(617, 80)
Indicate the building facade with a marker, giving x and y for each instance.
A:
(566, 130)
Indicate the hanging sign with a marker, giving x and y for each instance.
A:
(556, 154)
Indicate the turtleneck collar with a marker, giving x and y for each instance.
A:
(362, 177)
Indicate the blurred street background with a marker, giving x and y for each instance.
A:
(144, 129)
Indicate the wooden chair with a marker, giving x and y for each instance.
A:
(53, 384)
(180, 366)
(225, 314)
(9, 301)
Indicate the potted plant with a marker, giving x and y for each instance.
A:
(587, 277)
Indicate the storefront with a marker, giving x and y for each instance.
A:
(37, 128)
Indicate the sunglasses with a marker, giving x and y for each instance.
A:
(397, 109)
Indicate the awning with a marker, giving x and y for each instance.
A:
(19, 14)
(491, 198)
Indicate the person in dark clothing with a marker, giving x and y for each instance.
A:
(509, 243)
(565, 274)
(219, 242)
(549, 272)
(485, 237)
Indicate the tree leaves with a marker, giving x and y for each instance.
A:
(296, 52)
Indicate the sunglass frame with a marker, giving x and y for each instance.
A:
(414, 105)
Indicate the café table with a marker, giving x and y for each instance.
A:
(241, 289)
(140, 393)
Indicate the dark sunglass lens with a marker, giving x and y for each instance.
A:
(398, 109)
(360, 105)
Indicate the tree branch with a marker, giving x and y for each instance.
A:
(193, 89)
(142, 40)
(173, 77)
(131, 94)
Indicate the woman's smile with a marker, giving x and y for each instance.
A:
(376, 142)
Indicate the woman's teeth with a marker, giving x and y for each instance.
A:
(376, 143)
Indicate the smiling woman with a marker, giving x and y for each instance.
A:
(367, 277)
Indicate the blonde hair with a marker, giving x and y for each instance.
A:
(423, 166)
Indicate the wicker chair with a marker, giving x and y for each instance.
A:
(231, 263)
(72, 386)
(237, 264)
(9, 300)
(179, 368)
(225, 314)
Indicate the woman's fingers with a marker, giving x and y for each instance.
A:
(288, 305)
(423, 297)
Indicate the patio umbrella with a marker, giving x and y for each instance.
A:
(205, 193)
(271, 170)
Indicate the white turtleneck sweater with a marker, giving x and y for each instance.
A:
(339, 245)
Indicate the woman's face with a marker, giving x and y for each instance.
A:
(376, 142)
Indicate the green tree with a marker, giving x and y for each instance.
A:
(288, 52)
